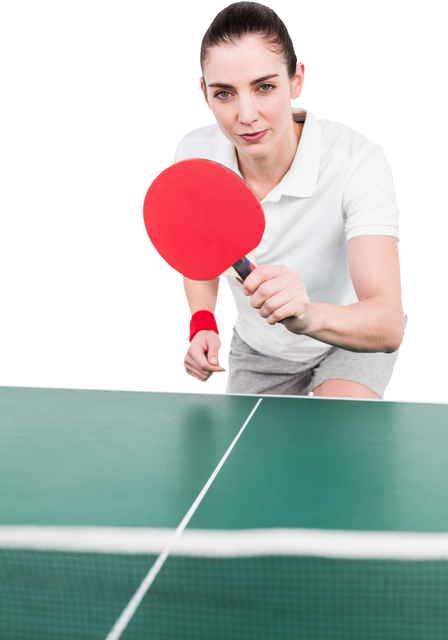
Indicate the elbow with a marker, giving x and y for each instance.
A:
(392, 347)
(395, 336)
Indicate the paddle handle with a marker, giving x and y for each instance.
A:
(243, 267)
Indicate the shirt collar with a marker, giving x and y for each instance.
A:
(301, 178)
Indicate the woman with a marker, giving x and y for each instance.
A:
(328, 261)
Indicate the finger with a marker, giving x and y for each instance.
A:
(197, 355)
(261, 274)
(215, 367)
(201, 378)
(292, 310)
(266, 291)
(270, 297)
(204, 365)
(198, 361)
(200, 374)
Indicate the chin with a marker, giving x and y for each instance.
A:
(254, 152)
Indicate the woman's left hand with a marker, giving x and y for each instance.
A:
(280, 295)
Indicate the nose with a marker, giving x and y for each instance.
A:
(247, 110)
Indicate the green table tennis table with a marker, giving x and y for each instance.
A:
(185, 516)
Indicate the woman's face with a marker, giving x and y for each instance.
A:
(247, 87)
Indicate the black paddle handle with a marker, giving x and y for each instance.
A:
(243, 267)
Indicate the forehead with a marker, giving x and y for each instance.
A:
(245, 60)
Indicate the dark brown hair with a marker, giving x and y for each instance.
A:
(250, 18)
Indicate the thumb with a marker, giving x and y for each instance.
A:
(212, 356)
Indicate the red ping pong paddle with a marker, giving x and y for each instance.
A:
(204, 220)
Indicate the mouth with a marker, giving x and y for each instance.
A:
(253, 137)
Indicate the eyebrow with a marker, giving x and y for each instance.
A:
(222, 85)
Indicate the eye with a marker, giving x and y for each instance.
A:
(219, 94)
(265, 88)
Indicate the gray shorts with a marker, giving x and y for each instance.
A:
(252, 372)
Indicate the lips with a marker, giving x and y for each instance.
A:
(253, 137)
(251, 134)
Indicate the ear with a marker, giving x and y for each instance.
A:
(202, 92)
(297, 81)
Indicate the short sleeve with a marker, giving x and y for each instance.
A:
(369, 203)
(178, 155)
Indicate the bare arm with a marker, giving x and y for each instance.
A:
(202, 358)
(201, 294)
(376, 322)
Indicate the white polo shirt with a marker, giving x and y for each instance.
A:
(339, 186)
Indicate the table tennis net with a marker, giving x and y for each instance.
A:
(50, 595)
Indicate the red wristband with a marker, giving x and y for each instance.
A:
(202, 321)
